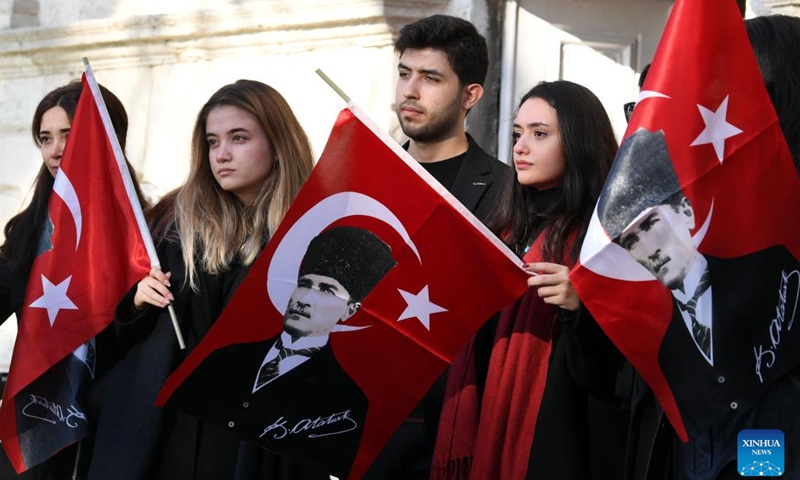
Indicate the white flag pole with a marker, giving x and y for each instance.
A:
(409, 160)
(129, 189)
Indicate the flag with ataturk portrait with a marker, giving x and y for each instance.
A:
(94, 247)
(370, 226)
(690, 264)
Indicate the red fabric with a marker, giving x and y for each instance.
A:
(492, 438)
(97, 247)
(394, 361)
(704, 59)
(460, 417)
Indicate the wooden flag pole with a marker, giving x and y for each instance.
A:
(335, 87)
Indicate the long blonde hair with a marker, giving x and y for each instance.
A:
(214, 226)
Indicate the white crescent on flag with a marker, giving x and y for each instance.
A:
(282, 272)
(604, 257)
(64, 189)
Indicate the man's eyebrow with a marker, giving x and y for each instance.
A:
(303, 282)
(429, 71)
(647, 221)
(328, 286)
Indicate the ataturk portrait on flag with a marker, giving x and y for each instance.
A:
(339, 269)
(721, 306)
(690, 263)
(370, 286)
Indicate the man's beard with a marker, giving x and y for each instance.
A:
(441, 122)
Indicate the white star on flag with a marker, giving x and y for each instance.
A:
(54, 298)
(717, 129)
(419, 306)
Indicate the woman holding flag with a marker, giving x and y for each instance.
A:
(533, 419)
(250, 157)
(26, 232)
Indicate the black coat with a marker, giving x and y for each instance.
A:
(582, 427)
(275, 414)
(704, 400)
(136, 440)
(745, 295)
(479, 180)
(61, 465)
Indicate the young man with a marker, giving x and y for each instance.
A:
(443, 63)
(442, 67)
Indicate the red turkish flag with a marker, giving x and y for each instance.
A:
(92, 251)
(717, 329)
(337, 408)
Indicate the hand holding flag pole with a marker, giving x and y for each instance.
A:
(126, 178)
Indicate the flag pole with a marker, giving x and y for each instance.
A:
(422, 172)
(128, 182)
(335, 87)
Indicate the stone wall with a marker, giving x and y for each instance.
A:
(767, 7)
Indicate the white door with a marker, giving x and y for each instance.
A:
(600, 44)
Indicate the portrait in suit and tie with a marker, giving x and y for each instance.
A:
(341, 266)
(661, 241)
(654, 223)
(718, 344)
(289, 393)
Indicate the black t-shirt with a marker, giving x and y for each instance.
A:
(445, 171)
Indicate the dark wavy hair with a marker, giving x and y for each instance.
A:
(462, 44)
(589, 150)
(776, 43)
(23, 231)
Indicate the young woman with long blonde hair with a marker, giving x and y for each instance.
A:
(250, 157)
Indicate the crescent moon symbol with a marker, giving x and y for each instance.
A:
(604, 257)
(285, 263)
(645, 94)
(64, 189)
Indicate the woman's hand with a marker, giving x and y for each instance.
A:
(153, 289)
(552, 282)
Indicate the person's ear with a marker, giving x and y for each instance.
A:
(472, 93)
(352, 308)
(687, 213)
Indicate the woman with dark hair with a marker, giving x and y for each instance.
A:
(548, 353)
(23, 233)
(250, 157)
(776, 43)
(50, 129)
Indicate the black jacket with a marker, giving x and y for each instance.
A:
(61, 465)
(317, 389)
(135, 439)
